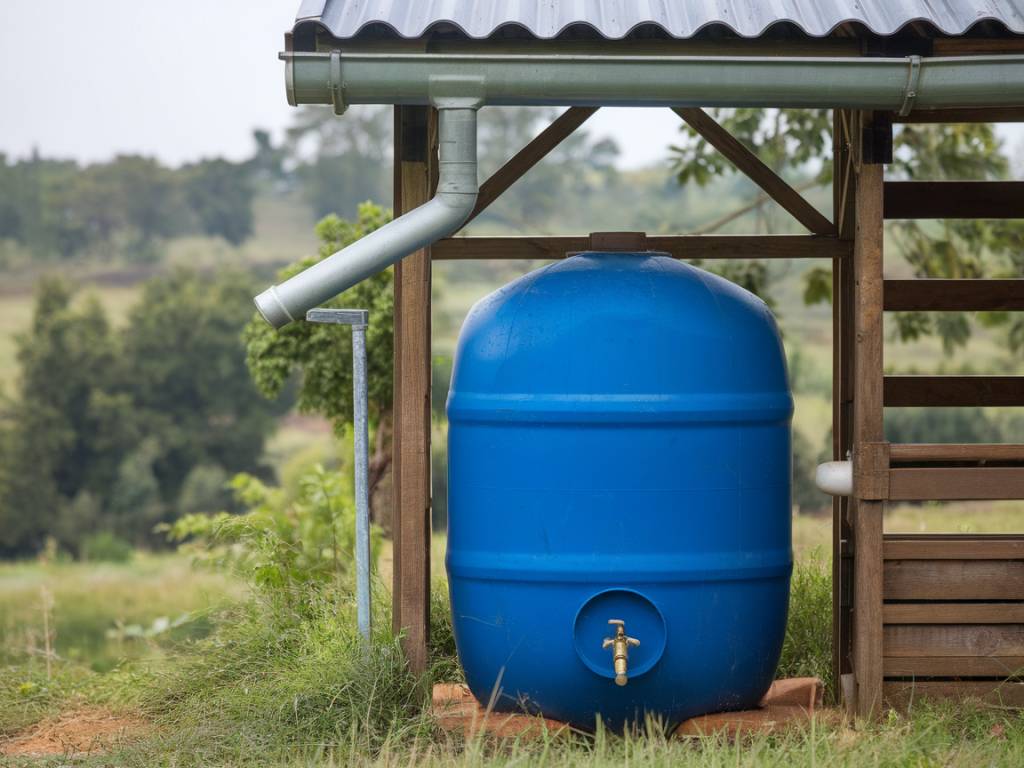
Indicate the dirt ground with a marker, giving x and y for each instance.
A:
(73, 734)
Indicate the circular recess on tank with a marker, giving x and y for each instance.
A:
(643, 621)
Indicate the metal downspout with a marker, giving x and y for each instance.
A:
(439, 217)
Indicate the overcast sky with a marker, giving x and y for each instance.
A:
(181, 79)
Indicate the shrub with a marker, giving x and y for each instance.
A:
(287, 547)
(105, 547)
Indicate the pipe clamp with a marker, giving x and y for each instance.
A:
(910, 90)
(337, 93)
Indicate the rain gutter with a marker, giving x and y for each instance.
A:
(457, 84)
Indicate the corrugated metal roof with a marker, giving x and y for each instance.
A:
(615, 19)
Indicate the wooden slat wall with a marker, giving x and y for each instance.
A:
(954, 609)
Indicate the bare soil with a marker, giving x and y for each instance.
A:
(74, 734)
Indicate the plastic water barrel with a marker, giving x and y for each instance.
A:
(619, 540)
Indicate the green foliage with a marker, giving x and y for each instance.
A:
(781, 138)
(807, 650)
(289, 547)
(122, 208)
(798, 142)
(107, 426)
(220, 194)
(105, 547)
(323, 353)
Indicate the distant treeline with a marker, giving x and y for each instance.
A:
(113, 431)
(58, 209)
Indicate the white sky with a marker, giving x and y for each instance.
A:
(184, 79)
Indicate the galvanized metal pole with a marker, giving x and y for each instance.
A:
(358, 319)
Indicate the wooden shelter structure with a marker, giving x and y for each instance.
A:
(913, 614)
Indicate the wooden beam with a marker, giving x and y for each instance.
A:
(956, 483)
(954, 199)
(960, 391)
(952, 613)
(842, 393)
(679, 246)
(947, 580)
(562, 127)
(903, 695)
(749, 164)
(415, 182)
(954, 547)
(935, 295)
(954, 666)
(913, 453)
(867, 430)
(974, 46)
(963, 115)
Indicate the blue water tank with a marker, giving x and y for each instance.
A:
(619, 451)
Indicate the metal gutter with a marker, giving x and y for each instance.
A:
(343, 77)
(458, 83)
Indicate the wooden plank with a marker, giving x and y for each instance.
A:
(842, 394)
(971, 46)
(938, 391)
(954, 640)
(749, 164)
(963, 115)
(954, 199)
(953, 666)
(934, 295)
(953, 547)
(908, 453)
(562, 127)
(956, 483)
(903, 695)
(952, 613)
(946, 580)
(867, 428)
(679, 246)
(416, 147)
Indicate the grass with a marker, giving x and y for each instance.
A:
(100, 614)
(280, 688)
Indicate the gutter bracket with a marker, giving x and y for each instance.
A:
(910, 90)
(337, 91)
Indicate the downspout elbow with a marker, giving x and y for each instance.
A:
(439, 217)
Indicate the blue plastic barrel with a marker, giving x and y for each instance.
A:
(619, 450)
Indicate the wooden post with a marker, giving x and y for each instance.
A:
(867, 432)
(842, 398)
(415, 181)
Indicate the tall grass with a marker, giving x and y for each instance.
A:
(807, 650)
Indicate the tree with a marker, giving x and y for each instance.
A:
(67, 359)
(220, 195)
(322, 353)
(340, 163)
(185, 371)
(797, 144)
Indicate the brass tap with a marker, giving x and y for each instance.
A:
(620, 645)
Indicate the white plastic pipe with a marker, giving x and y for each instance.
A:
(835, 478)
(439, 217)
